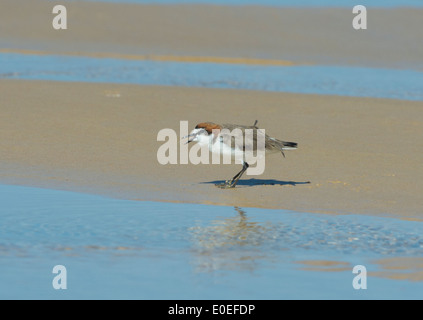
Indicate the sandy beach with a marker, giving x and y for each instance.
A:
(356, 155)
(360, 155)
(302, 35)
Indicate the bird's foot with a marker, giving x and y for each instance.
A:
(226, 185)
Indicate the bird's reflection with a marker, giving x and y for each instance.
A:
(231, 243)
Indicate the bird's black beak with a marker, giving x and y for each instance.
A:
(189, 136)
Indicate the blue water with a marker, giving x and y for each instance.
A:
(121, 249)
(332, 80)
(281, 3)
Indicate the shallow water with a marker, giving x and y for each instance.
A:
(130, 249)
(332, 80)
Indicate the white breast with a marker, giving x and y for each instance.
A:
(217, 146)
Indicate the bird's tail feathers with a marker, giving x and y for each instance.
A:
(285, 145)
(289, 145)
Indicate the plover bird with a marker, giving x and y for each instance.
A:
(218, 140)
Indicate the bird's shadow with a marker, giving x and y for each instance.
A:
(260, 182)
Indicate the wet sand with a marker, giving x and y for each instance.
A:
(302, 35)
(356, 155)
(360, 155)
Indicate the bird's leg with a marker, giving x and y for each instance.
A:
(231, 183)
(238, 176)
(228, 183)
